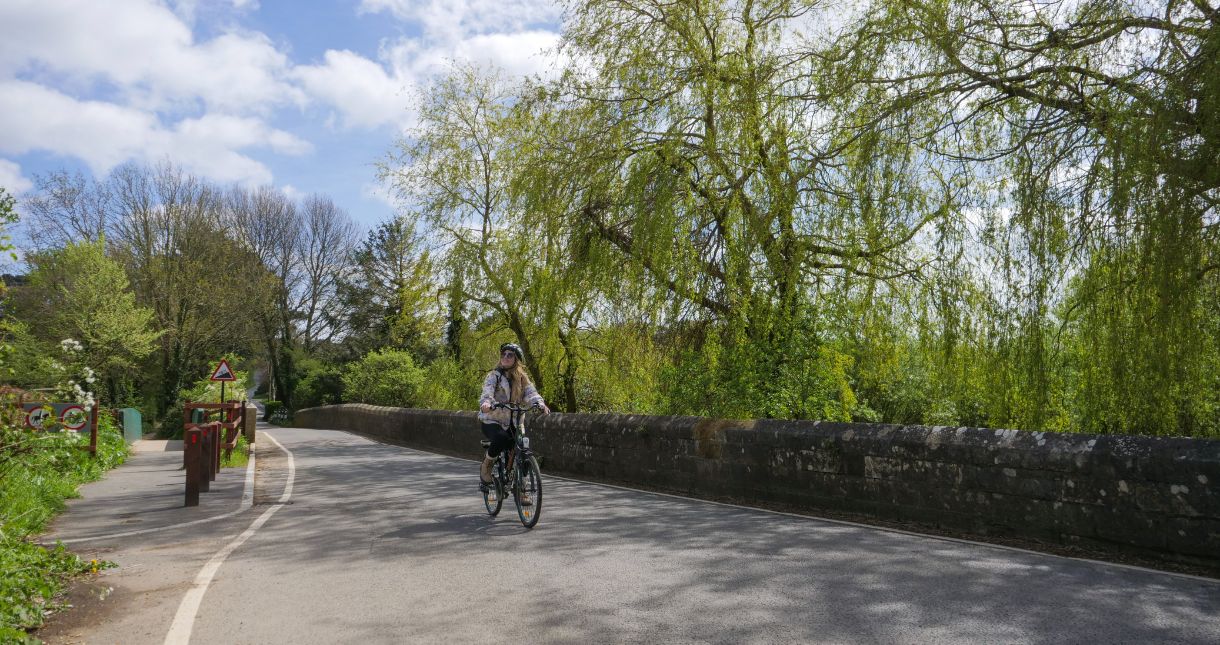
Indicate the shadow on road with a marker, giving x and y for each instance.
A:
(609, 562)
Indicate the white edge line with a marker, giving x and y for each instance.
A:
(292, 469)
(817, 518)
(247, 500)
(184, 619)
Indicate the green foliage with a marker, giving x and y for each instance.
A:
(625, 370)
(445, 385)
(78, 292)
(273, 411)
(8, 217)
(28, 361)
(721, 210)
(321, 384)
(386, 300)
(205, 390)
(38, 471)
(239, 456)
(33, 577)
(384, 377)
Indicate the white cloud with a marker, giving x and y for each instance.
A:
(104, 135)
(11, 179)
(360, 89)
(519, 54)
(366, 93)
(378, 191)
(108, 82)
(238, 132)
(454, 20)
(146, 52)
(154, 91)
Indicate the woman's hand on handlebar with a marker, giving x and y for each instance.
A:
(541, 406)
(485, 407)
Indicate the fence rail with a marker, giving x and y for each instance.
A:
(202, 442)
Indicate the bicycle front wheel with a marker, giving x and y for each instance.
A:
(528, 493)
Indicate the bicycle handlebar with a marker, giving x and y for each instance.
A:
(515, 408)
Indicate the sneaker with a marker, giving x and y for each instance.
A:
(485, 470)
(526, 501)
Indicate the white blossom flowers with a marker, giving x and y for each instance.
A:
(72, 390)
(79, 394)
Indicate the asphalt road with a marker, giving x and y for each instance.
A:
(381, 544)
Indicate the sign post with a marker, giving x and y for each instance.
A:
(61, 417)
(223, 374)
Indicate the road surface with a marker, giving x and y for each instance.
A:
(349, 540)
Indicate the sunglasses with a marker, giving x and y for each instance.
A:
(508, 352)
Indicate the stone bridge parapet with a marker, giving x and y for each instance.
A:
(1152, 495)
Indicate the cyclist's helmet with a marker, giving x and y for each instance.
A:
(513, 347)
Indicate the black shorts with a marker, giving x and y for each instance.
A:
(499, 437)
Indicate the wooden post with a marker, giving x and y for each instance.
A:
(186, 423)
(192, 447)
(205, 460)
(93, 431)
(216, 441)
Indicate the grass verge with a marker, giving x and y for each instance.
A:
(239, 457)
(38, 471)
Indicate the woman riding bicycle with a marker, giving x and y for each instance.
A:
(508, 383)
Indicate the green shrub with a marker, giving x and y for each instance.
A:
(385, 377)
(271, 409)
(320, 384)
(33, 577)
(445, 386)
(38, 471)
(240, 455)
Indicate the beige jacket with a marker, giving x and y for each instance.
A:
(496, 389)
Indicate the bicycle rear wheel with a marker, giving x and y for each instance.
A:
(529, 486)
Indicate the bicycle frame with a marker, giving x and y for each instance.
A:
(516, 429)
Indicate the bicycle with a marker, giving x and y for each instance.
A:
(515, 469)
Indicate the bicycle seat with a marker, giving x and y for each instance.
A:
(485, 443)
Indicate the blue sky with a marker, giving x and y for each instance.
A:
(305, 96)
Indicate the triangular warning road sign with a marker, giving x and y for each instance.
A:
(223, 373)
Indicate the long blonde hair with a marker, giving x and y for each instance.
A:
(518, 380)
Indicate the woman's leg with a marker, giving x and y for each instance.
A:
(499, 439)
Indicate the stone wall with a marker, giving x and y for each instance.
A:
(1157, 496)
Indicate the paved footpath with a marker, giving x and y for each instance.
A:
(348, 540)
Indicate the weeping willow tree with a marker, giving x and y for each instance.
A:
(712, 168)
(1096, 123)
(926, 211)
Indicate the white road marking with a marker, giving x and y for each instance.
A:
(184, 619)
(247, 500)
